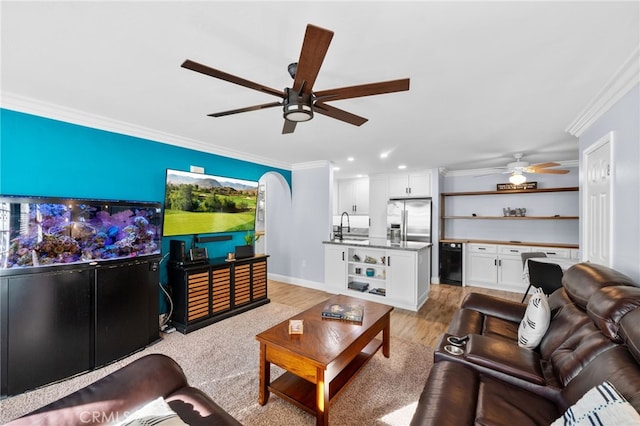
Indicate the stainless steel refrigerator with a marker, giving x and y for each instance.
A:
(414, 217)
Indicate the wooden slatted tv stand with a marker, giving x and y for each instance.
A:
(208, 292)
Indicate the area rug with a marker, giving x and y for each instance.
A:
(222, 360)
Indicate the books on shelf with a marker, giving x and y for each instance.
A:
(355, 285)
(343, 312)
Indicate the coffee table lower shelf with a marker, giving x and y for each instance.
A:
(302, 393)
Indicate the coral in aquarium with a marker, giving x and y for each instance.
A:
(58, 234)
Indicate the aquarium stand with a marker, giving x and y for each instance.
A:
(85, 316)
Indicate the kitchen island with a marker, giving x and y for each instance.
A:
(376, 269)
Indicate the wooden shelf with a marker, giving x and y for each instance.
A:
(445, 195)
(514, 217)
(512, 191)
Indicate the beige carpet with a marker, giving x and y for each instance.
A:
(222, 360)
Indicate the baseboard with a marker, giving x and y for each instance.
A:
(297, 281)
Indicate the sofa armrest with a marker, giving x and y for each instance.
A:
(494, 306)
(114, 396)
(448, 397)
(507, 358)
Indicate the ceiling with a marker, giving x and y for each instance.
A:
(488, 79)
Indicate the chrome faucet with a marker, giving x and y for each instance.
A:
(340, 236)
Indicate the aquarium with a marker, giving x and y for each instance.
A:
(36, 231)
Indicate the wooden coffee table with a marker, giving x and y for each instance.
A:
(325, 358)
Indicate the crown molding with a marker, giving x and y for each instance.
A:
(620, 83)
(492, 170)
(311, 165)
(40, 108)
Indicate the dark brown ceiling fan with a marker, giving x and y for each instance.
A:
(299, 102)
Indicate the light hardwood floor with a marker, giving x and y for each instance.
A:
(424, 326)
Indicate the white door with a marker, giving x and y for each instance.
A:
(596, 202)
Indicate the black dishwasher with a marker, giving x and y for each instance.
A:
(451, 263)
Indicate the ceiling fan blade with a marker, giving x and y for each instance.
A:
(289, 126)
(364, 90)
(543, 165)
(203, 69)
(549, 171)
(247, 109)
(339, 114)
(314, 48)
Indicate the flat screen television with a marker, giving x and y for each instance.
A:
(197, 203)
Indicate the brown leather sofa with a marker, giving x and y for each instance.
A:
(593, 336)
(122, 392)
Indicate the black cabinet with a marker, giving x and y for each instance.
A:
(207, 292)
(62, 321)
(126, 320)
(48, 328)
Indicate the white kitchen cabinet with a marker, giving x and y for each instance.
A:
(416, 184)
(353, 196)
(402, 277)
(499, 266)
(563, 253)
(399, 277)
(495, 266)
(335, 268)
(480, 268)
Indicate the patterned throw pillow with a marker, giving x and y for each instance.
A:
(535, 322)
(155, 413)
(602, 405)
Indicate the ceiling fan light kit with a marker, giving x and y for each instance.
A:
(299, 102)
(517, 178)
(297, 108)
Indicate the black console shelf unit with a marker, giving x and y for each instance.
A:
(209, 291)
(63, 320)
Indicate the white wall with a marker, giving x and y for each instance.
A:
(624, 120)
(310, 223)
(278, 213)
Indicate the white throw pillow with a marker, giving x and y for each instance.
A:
(535, 322)
(156, 413)
(602, 405)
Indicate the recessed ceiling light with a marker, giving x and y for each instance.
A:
(384, 154)
(350, 159)
(402, 166)
(336, 168)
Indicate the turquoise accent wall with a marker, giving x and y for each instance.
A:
(45, 157)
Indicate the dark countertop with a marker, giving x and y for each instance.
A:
(510, 243)
(383, 244)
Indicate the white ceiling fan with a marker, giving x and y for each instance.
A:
(519, 167)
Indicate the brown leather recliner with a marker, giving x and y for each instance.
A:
(593, 336)
(122, 392)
